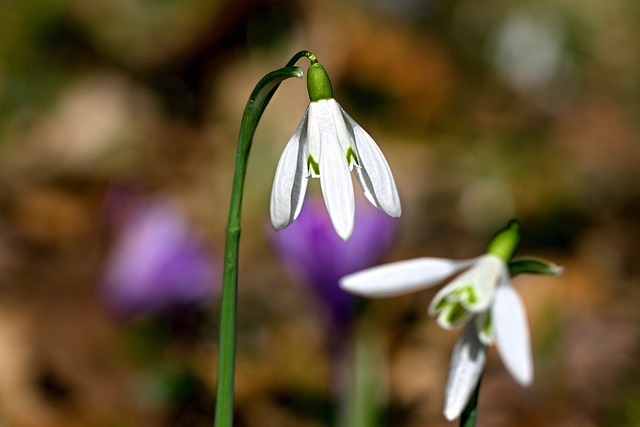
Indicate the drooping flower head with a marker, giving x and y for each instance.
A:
(481, 298)
(315, 255)
(328, 144)
(157, 262)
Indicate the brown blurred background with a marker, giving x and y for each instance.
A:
(485, 110)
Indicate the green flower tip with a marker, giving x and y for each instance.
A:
(505, 242)
(318, 83)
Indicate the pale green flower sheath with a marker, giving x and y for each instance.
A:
(328, 144)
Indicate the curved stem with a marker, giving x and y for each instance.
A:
(312, 58)
(256, 105)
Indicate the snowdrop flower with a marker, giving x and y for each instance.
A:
(328, 144)
(481, 297)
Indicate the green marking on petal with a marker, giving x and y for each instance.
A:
(487, 327)
(352, 159)
(440, 305)
(464, 293)
(471, 296)
(484, 326)
(313, 166)
(455, 314)
(460, 298)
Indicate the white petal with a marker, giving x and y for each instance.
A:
(290, 181)
(401, 277)
(313, 131)
(488, 272)
(467, 362)
(335, 179)
(345, 137)
(374, 174)
(512, 333)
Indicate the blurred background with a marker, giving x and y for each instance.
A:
(118, 124)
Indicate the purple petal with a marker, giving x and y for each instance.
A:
(157, 262)
(315, 254)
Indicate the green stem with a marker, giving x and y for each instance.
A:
(303, 53)
(367, 379)
(256, 105)
(468, 417)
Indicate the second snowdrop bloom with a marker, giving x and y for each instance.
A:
(328, 144)
(481, 297)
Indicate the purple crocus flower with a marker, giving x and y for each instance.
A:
(314, 253)
(157, 262)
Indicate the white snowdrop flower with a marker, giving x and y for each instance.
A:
(480, 296)
(328, 144)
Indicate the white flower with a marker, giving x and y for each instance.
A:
(328, 144)
(481, 297)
